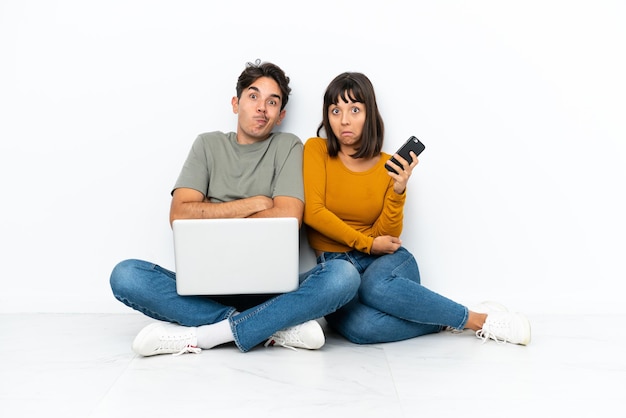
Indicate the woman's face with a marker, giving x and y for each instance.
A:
(347, 121)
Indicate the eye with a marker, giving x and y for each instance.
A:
(272, 102)
(253, 95)
(334, 111)
(355, 110)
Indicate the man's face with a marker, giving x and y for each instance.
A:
(258, 110)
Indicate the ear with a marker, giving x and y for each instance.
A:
(235, 103)
(281, 116)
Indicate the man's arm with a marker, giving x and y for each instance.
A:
(284, 207)
(191, 204)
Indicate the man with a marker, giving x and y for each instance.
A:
(252, 172)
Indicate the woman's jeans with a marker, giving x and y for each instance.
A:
(151, 290)
(391, 304)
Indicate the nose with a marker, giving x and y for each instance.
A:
(261, 106)
(345, 118)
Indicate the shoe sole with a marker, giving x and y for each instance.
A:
(526, 326)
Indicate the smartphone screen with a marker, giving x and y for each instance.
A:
(412, 144)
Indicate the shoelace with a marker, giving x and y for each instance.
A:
(181, 344)
(284, 338)
(494, 327)
(275, 341)
(486, 335)
(188, 349)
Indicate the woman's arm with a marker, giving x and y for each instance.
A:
(316, 214)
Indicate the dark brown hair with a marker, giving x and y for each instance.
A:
(256, 70)
(355, 87)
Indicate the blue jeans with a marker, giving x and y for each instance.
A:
(391, 304)
(151, 290)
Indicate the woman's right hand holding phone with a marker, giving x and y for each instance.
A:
(402, 176)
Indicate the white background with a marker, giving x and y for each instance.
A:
(519, 196)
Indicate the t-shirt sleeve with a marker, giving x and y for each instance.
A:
(195, 171)
(289, 180)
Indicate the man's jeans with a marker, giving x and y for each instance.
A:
(151, 290)
(391, 304)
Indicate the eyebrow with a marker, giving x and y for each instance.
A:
(259, 91)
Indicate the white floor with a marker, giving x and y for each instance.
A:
(81, 365)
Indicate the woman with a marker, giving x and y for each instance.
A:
(354, 211)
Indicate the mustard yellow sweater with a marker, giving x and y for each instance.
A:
(346, 210)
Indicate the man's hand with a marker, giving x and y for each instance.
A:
(283, 206)
(191, 204)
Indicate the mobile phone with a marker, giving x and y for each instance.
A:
(412, 144)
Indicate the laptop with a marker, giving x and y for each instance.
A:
(236, 256)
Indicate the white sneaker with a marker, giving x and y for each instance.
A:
(166, 338)
(488, 306)
(504, 327)
(308, 335)
(485, 307)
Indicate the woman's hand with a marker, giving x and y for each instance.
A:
(385, 244)
(403, 172)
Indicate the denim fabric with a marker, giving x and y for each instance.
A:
(391, 304)
(151, 289)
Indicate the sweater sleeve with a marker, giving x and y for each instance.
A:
(391, 218)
